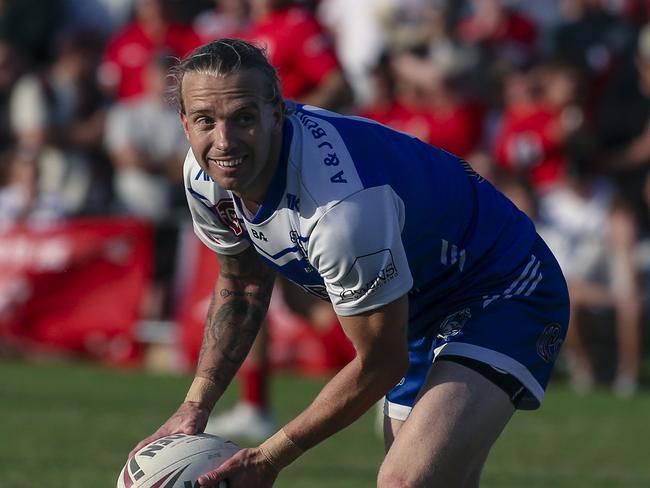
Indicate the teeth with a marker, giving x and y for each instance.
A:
(227, 163)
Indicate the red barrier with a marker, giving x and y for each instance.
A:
(76, 288)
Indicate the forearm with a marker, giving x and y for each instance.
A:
(346, 397)
(239, 303)
(379, 337)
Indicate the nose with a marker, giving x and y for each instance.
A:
(223, 137)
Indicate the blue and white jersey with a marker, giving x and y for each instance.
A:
(361, 214)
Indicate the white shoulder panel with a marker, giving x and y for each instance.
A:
(357, 249)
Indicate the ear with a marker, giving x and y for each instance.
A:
(278, 115)
(185, 123)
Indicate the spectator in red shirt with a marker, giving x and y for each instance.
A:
(413, 96)
(133, 48)
(301, 52)
(537, 122)
(396, 102)
(453, 123)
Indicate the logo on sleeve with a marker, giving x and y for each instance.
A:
(226, 212)
(381, 261)
(299, 241)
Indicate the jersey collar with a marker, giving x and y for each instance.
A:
(279, 182)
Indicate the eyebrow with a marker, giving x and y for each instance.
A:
(244, 106)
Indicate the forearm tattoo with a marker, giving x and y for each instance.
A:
(231, 293)
(234, 327)
(237, 309)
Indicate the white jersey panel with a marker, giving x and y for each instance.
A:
(357, 249)
(326, 168)
(215, 221)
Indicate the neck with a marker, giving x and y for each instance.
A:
(251, 206)
(253, 200)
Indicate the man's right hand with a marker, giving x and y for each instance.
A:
(190, 418)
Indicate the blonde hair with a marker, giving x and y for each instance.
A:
(223, 57)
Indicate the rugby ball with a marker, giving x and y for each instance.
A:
(175, 461)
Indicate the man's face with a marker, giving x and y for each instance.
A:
(234, 133)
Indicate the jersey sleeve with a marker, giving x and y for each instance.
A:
(357, 248)
(213, 214)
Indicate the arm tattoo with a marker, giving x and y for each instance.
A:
(231, 293)
(237, 309)
(234, 327)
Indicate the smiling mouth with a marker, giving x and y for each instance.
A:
(227, 163)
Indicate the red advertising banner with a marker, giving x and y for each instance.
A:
(76, 287)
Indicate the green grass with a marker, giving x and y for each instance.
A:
(70, 425)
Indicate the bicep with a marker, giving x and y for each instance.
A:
(380, 334)
(243, 271)
(357, 248)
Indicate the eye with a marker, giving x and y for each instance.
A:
(245, 119)
(203, 121)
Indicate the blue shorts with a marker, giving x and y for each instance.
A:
(516, 326)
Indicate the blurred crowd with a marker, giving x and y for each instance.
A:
(549, 100)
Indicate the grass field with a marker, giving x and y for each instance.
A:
(70, 425)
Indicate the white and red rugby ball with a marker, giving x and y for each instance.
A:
(175, 461)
